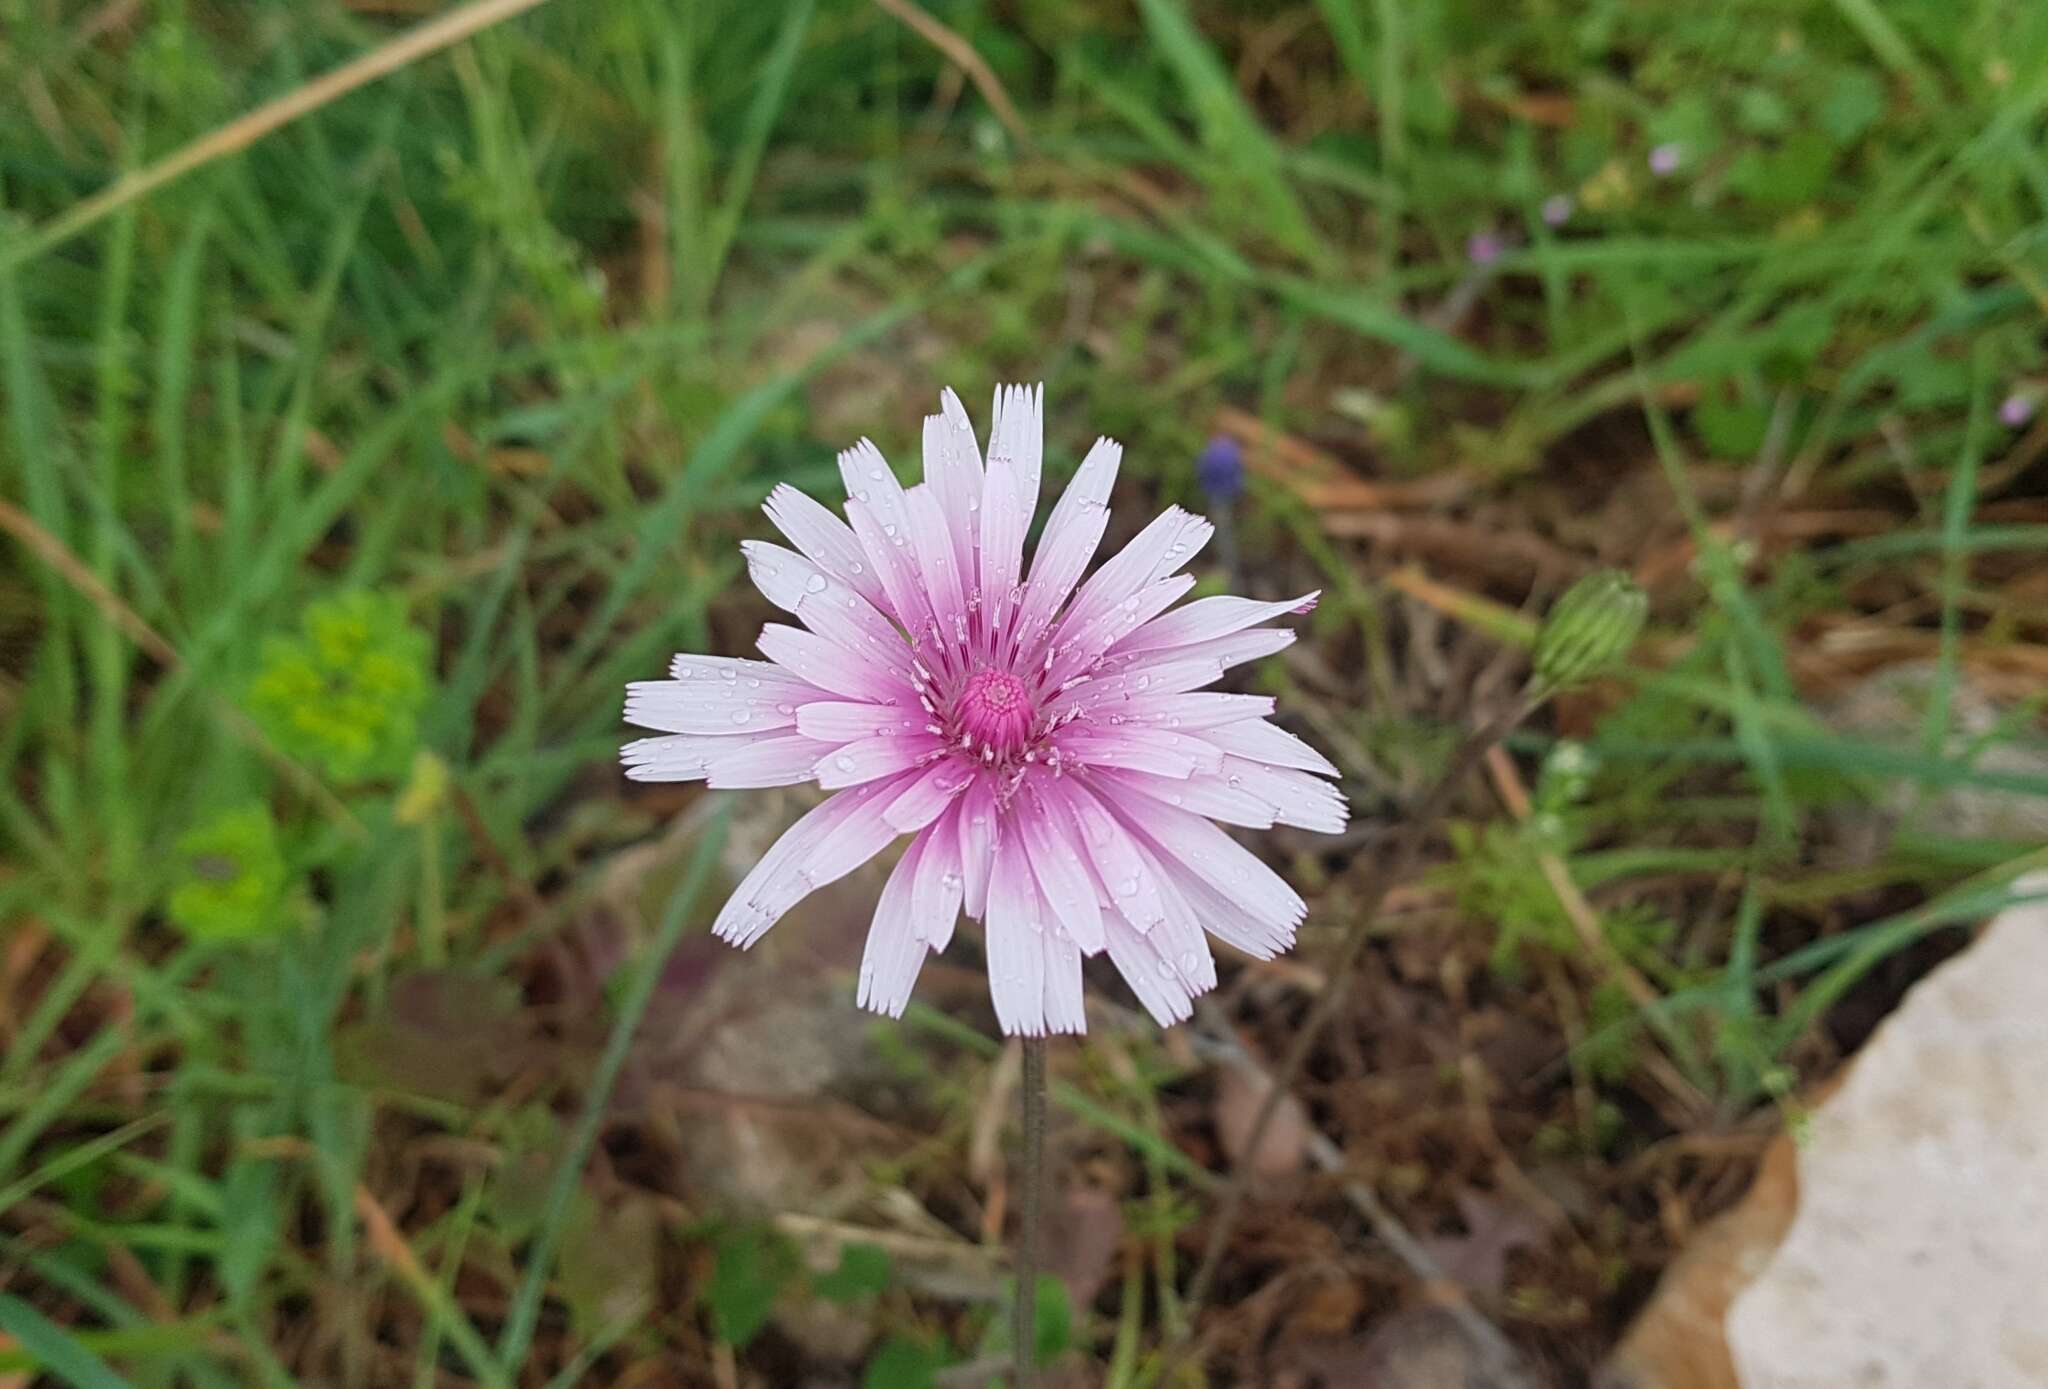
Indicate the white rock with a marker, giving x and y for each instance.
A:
(1919, 1254)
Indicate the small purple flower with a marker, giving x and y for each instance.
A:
(1484, 248)
(1557, 209)
(2016, 410)
(1220, 469)
(1665, 159)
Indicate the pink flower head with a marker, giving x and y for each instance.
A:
(1049, 748)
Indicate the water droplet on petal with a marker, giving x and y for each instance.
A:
(741, 715)
(815, 584)
(843, 763)
(1129, 886)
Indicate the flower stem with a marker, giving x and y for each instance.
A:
(1024, 1330)
(1414, 835)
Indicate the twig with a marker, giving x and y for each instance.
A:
(1024, 1329)
(962, 53)
(1407, 857)
(246, 130)
(1504, 1368)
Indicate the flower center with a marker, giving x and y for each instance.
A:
(994, 709)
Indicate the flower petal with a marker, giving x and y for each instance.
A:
(871, 758)
(1199, 853)
(926, 798)
(674, 756)
(1218, 654)
(894, 953)
(825, 540)
(1080, 647)
(1139, 748)
(1014, 936)
(1158, 985)
(880, 516)
(939, 562)
(1071, 536)
(1259, 741)
(1016, 434)
(1050, 839)
(719, 699)
(1125, 871)
(756, 762)
(952, 468)
(825, 845)
(1296, 797)
(1210, 795)
(826, 605)
(1156, 552)
(1066, 1010)
(1206, 618)
(1004, 520)
(829, 666)
(837, 721)
(936, 896)
(977, 824)
(1188, 713)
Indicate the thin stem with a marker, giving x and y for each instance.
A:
(1024, 1331)
(1414, 835)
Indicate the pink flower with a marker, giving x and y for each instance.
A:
(1049, 749)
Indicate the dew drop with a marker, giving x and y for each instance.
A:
(741, 715)
(815, 584)
(1129, 886)
(1165, 969)
(843, 763)
(1189, 962)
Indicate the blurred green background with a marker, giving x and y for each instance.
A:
(349, 477)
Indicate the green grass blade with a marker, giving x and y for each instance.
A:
(56, 1349)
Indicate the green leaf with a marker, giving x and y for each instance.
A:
(863, 1269)
(1053, 1318)
(903, 1363)
(1730, 426)
(1854, 101)
(58, 1351)
(750, 1270)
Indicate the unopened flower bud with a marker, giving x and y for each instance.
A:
(1589, 629)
